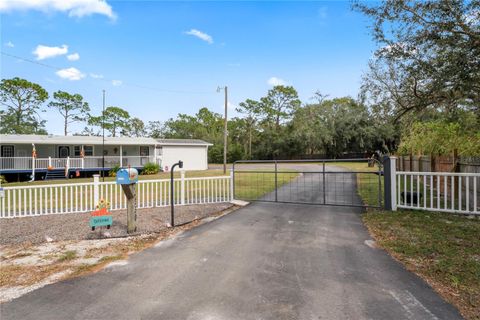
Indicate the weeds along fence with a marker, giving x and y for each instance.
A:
(27, 201)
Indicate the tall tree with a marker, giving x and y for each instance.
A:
(251, 109)
(23, 101)
(280, 104)
(115, 120)
(71, 107)
(136, 128)
(156, 129)
(428, 56)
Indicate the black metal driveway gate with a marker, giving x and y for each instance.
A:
(346, 182)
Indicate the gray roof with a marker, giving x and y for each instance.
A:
(95, 140)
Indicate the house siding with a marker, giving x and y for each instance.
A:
(193, 157)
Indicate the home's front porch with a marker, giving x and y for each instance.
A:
(28, 164)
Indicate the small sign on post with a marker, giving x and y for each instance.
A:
(127, 178)
(101, 217)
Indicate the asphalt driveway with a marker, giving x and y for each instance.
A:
(264, 261)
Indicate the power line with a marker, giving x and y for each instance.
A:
(105, 79)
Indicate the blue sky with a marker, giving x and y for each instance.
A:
(182, 51)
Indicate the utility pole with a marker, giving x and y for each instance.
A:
(225, 129)
(103, 138)
(225, 132)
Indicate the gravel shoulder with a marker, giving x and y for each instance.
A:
(75, 226)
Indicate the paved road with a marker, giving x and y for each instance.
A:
(264, 261)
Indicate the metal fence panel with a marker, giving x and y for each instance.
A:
(316, 181)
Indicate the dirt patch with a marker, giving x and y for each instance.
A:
(75, 226)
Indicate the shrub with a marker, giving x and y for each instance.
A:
(150, 168)
(2, 179)
(113, 171)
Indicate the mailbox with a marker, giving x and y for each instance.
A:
(127, 176)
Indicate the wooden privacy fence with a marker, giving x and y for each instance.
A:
(26, 201)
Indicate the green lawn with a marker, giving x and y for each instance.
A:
(368, 184)
(254, 185)
(442, 248)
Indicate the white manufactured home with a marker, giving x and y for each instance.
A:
(43, 153)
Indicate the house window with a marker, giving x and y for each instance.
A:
(144, 151)
(7, 151)
(87, 149)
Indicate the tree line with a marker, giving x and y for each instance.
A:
(421, 94)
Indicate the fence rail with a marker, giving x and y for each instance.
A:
(29, 163)
(438, 191)
(26, 201)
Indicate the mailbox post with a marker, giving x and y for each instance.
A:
(128, 178)
(172, 193)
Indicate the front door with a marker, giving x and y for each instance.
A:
(63, 151)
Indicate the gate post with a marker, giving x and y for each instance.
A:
(276, 182)
(390, 182)
(231, 185)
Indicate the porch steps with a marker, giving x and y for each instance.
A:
(55, 174)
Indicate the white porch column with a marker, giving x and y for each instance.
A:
(33, 168)
(82, 155)
(49, 161)
(67, 167)
(121, 156)
(154, 154)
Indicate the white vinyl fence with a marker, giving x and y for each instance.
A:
(38, 200)
(438, 191)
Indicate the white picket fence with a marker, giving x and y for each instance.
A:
(438, 191)
(26, 201)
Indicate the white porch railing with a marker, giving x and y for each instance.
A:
(80, 197)
(25, 163)
(438, 191)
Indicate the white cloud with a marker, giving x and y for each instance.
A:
(74, 8)
(201, 35)
(70, 74)
(274, 81)
(73, 57)
(117, 83)
(9, 44)
(322, 12)
(96, 76)
(44, 52)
